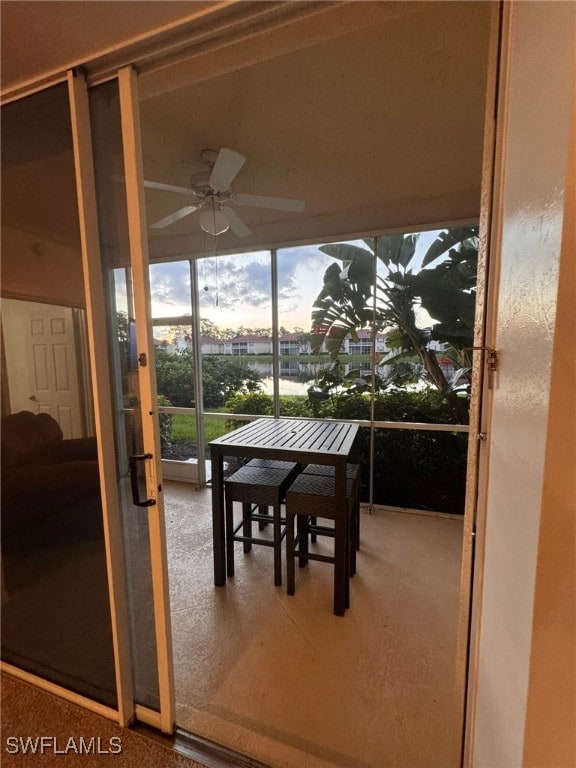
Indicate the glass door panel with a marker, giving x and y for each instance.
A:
(134, 519)
(136, 423)
(174, 351)
(235, 300)
(300, 279)
(56, 620)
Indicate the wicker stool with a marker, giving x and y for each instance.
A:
(257, 488)
(308, 498)
(271, 464)
(352, 473)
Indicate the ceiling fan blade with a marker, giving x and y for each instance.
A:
(167, 220)
(168, 187)
(236, 224)
(227, 165)
(275, 203)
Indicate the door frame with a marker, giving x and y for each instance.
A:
(479, 425)
(102, 393)
(137, 234)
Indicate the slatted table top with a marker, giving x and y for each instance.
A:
(276, 438)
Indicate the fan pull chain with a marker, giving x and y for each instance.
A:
(214, 241)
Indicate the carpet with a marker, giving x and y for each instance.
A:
(30, 712)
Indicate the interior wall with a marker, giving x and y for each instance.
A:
(38, 268)
(14, 342)
(78, 31)
(41, 255)
(537, 82)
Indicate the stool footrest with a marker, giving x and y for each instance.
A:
(254, 540)
(307, 555)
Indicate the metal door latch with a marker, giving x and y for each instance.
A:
(491, 361)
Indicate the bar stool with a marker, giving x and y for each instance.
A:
(270, 464)
(257, 488)
(311, 497)
(353, 472)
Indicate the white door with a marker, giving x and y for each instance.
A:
(46, 378)
(52, 367)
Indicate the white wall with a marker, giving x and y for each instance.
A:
(534, 131)
(36, 267)
(15, 340)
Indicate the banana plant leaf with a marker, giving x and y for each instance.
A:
(348, 301)
(447, 240)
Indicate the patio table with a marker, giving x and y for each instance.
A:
(307, 441)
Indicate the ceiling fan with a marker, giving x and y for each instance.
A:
(214, 198)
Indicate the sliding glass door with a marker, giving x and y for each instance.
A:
(134, 411)
(84, 586)
(56, 618)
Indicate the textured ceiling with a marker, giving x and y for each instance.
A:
(376, 127)
(40, 36)
(376, 123)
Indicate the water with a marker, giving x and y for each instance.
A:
(287, 386)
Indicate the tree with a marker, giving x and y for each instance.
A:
(446, 291)
(209, 329)
(263, 333)
(221, 378)
(175, 376)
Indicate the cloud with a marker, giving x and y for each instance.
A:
(170, 285)
(299, 269)
(246, 280)
(242, 285)
(243, 281)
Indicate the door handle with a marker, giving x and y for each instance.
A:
(134, 481)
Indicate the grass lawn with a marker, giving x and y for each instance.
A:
(184, 429)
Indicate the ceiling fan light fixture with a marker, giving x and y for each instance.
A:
(214, 221)
(214, 195)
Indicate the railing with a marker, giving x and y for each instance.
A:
(379, 472)
(425, 426)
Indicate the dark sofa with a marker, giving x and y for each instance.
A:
(45, 477)
(55, 605)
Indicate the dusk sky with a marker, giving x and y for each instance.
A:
(238, 286)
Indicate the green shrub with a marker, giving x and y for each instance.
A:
(256, 404)
(296, 406)
(412, 468)
(221, 378)
(165, 420)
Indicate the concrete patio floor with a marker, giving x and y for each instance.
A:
(285, 681)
